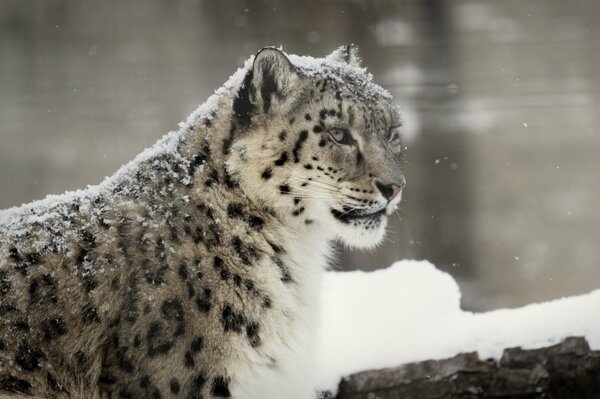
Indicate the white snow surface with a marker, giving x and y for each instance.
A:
(411, 312)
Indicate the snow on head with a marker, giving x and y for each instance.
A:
(411, 312)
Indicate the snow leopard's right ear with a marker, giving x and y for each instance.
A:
(272, 75)
(347, 54)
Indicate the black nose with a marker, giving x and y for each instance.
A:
(390, 190)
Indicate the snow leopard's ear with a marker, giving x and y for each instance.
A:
(272, 74)
(347, 54)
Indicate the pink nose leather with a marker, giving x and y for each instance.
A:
(396, 189)
(390, 191)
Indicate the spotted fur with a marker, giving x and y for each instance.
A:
(194, 271)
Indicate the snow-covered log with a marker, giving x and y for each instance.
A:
(566, 370)
(406, 324)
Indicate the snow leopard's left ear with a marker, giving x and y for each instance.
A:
(347, 54)
(272, 74)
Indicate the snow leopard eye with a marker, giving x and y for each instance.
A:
(341, 136)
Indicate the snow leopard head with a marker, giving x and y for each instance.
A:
(320, 143)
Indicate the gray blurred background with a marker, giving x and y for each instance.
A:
(501, 103)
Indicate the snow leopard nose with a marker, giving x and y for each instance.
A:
(391, 190)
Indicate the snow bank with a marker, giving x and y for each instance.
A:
(411, 312)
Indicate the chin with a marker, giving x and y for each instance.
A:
(362, 234)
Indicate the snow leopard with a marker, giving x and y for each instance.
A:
(194, 271)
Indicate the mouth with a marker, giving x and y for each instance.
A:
(352, 215)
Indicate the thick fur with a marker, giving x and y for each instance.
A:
(194, 271)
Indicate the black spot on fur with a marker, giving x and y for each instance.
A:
(267, 303)
(237, 280)
(183, 273)
(229, 180)
(5, 283)
(243, 108)
(283, 158)
(190, 287)
(20, 264)
(213, 177)
(256, 222)
(54, 328)
(322, 142)
(106, 379)
(197, 344)
(88, 238)
(246, 252)
(90, 315)
(197, 384)
(197, 160)
(174, 386)
(220, 266)
(144, 382)
(267, 173)
(34, 258)
(226, 145)
(286, 276)
(21, 325)
(123, 361)
(307, 117)
(317, 129)
(172, 310)
(52, 383)
(155, 274)
(6, 308)
(231, 320)
(43, 290)
(249, 285)
(125, 395)
(235, 210)
(220, 387)
(131, 300)
(188, 360)
(159, 248)
(276, 248)
(13, 254)
(298, 146)
(284, 189)
(204, 301)
(157, 344)
(252, 330)
(15, 385)
(282, 135)
(137, 341)
(298, 211)
(308, 166)
(28, 358)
